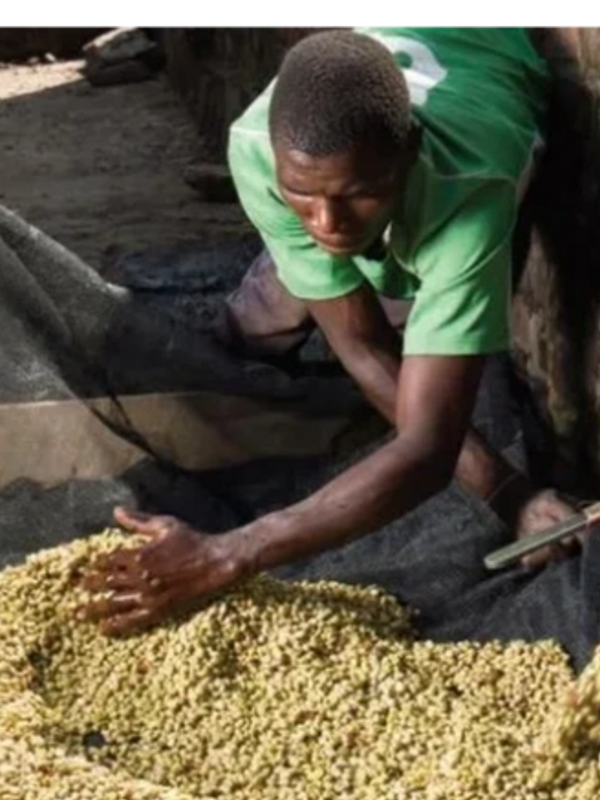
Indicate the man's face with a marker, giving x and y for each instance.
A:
(345, 200)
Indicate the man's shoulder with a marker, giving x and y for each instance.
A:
(480, 95)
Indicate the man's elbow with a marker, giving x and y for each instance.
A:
(435, 464)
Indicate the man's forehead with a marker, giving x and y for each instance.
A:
(359, 164)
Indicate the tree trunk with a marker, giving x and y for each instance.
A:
(556, 315)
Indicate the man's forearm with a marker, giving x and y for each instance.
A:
(392, 481)
(480, 469)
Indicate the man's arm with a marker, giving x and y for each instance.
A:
(179, 567)
(429, 399)
(434, 401)
(370, 349)
(358, 330)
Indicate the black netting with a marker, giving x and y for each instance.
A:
(67, 334)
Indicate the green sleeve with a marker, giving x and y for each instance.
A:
(462, 304)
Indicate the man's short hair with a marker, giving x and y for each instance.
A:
(337, 90)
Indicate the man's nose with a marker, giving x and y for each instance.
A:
(328, 217)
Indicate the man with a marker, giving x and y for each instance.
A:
(385, 163)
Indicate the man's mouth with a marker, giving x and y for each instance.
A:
(341, 245)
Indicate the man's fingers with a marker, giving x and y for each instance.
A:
(148, 525)
(95, 582)
(552, 553)
(121, 559)
(108, 581)
(537, 559)
(105, 607)
(134, 621)
(139, 617)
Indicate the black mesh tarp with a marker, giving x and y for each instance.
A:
(68, 336)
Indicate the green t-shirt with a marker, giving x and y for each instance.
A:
(479, 96)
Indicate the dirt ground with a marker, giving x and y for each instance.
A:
(100, 168)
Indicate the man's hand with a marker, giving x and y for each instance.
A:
(176, 570)
(542, 511)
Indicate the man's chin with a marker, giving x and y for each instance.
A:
(350, 249)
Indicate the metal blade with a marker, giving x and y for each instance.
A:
(513, 552)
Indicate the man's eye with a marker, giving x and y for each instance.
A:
(295, 192)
